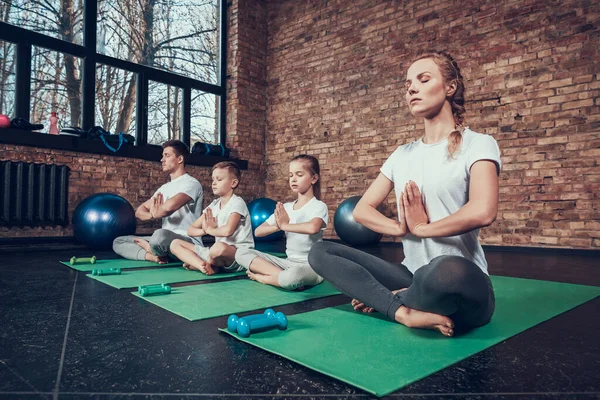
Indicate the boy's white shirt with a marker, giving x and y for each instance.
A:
(242, 236)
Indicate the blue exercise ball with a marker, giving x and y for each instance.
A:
(348, 229)
(102, 217)
(260, 210)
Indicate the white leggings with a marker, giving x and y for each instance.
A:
(294, 275)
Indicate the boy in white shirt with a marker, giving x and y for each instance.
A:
(227, 219)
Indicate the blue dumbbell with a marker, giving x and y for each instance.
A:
(232, 321)
(246, 327)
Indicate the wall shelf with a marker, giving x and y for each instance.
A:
(81, 145)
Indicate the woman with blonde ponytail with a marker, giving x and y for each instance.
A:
(446, 185)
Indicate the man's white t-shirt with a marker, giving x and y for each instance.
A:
(298, 245)
(242, 237)
(444, 185)
(180, 220)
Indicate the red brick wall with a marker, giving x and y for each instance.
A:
(532, 70)
(247, 89)
(136, 180)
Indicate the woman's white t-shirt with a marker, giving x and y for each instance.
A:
(444, 185)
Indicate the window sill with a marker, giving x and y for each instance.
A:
(80, 145)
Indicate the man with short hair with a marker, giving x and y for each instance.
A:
(178, 203)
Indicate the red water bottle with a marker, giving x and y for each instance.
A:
(53, 124)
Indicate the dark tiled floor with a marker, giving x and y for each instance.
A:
(66, 336)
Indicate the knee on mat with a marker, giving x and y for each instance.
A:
(296, 277)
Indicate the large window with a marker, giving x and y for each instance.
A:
(55, 87)
(205, 112)
(173, 35)
(61, 19)
(164, 112)
(115, 99)
(149, 68)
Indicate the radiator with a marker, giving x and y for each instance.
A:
(33, 194)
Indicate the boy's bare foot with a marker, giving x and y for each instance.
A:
(208, 269)
(202, 267)
(186, 266)
(424, 320)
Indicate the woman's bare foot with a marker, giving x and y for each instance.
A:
(424, 320)
(359, 306)
(186, 266)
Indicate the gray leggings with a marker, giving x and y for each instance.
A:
(449, 285)
(159, 243)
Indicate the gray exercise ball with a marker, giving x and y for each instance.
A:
(348, 229)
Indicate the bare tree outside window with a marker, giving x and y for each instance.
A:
(174, 35)
(51, 88)
(112, 85)
(179, 36)
(7, 78)
(205, 112)
(164, 112)
(61, 19)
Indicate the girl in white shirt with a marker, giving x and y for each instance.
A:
(446, 185)
(303, 222)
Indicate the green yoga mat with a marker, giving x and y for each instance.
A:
(119, 263)
(223, 298)
(132, 279)
(379, 356)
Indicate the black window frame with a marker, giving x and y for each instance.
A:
(25, 39)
